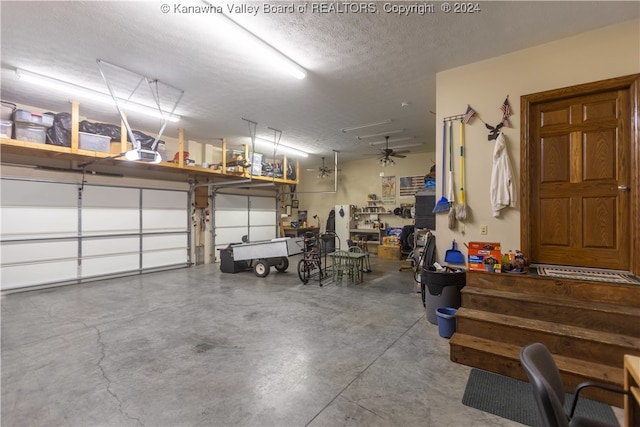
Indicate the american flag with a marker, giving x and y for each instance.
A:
(468, 115)
(506, 108)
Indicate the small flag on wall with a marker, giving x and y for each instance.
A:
(506, 108)
(468, 115)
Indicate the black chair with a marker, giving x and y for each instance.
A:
(548, 389)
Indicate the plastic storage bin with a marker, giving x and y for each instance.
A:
(24, 116)
(94, 142)
(30, 132)
(5, 128)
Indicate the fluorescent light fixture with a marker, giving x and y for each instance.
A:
(281, 148)
(91, 94)
(146, 156)
(391, 132)
(408, 138)
(368, 125)
(256, 46)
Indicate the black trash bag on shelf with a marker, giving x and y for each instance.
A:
(291, 172)
(113, 131)
(60, 132)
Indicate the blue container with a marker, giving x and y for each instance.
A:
(446, 321)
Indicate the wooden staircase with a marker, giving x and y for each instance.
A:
(587, 325)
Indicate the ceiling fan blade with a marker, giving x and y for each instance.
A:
(401, 152)
(401, 156)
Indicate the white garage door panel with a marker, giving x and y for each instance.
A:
(110, 246)
(231, 218)
(108, 221)
(37, 274)
(224, 236)
(39, 221)
(260, 218)
(164, 199)
(174, 241)
(263, 204)
(262, 233)
(110, 197)
(38, 251)
(110, 264)
(162, 258)
(164, 220)
(230, 202)
(32, 193)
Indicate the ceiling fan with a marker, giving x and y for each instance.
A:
(323, 171)
(387, 153)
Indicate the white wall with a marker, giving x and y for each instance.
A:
(357, 179)
(597, 55)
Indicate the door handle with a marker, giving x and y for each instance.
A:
(623, 188)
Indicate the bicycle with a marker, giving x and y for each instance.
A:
(311, 260)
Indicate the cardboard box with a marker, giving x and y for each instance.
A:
(480, 252)
(388, 252)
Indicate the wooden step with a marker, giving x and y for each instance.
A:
(598, 316)
(566, 340)
(588, 291)
(503, 358)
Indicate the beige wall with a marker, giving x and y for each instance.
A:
(608, 52)
(356, 180)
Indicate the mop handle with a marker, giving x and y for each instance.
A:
(444, 148)
(461, 162)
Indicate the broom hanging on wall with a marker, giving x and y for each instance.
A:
(452, 194)
(443, 203)
(461, 207)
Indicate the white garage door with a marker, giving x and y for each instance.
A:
(54, 233)
(237, 216)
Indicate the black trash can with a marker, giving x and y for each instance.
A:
(441, 289)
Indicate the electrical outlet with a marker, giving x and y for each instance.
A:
(483, 229)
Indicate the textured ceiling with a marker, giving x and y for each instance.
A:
(361, 66)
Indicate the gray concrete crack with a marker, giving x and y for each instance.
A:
(106, 378)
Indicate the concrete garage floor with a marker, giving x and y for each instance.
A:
(197, 347)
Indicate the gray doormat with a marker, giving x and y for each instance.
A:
(582, 273)
(513, 399)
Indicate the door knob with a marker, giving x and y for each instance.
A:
(623, 188)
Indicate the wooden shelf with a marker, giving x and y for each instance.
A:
(48, 155)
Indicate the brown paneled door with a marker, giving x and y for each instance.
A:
(580, 180)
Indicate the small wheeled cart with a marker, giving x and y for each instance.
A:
(260, 256)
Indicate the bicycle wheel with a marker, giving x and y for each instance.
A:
(303, 271)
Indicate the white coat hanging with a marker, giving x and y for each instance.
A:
(503, 186)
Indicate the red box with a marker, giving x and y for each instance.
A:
(480, 252)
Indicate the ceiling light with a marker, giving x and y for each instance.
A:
(91, 94)
(368, 125)
(386, 161)
(408, 138)
(256, 46)
(280, 148)
(392, 132)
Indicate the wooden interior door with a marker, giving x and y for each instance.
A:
(578, 150)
